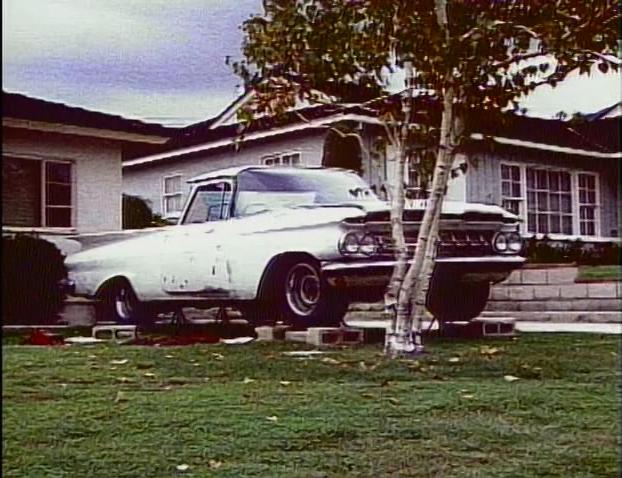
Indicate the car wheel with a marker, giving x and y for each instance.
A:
(118, 303)
(299, 295)
(457, 301)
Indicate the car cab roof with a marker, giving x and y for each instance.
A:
(234, 171)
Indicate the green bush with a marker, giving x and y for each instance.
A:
(31, 271)
(546, 251)
(137, 214)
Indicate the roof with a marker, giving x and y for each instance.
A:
(613, 111)
(235, 170)
(22, 107)
(598, 135)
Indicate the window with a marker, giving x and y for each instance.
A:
(211, 202)
(287, 159)
(551, 201)
(511, 189)
(172, 199)
(37, 193)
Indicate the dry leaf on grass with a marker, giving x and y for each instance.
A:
(149, 374)
(454, 360)
(272, 418)
(218, 356)
(248, 380)
(214, 464)
(125, 380)
(330, 360)
(285, 383)
(182, 467)
(119, 362)
(393, 400)
(121, 397)
(489, 351)
(510, 378)
(468, 396)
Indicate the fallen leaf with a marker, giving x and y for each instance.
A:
(330, 360)
(393, 400)
(285, 383)
(454, 360)
(119, 362)
(182, 467)
(92, 356)
(362, 365)
(367, 395)
(113, 368)
(218, 356)
(385, 383)
(248, 380)
(196, 364)
(214, 464)
(468, 396)
(489, 351)
(149, 374)
(510, 378)
(124, 380)
(169, 356)
(273, 418)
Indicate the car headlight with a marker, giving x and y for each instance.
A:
(514, 242)
(507, 243)
(368, 245)
(349, 244)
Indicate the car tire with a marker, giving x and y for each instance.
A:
(452, 301)
(118, 303)
(297, 294)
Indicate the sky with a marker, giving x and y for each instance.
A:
(164, 60)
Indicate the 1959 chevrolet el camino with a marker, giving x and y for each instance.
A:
(290, 244)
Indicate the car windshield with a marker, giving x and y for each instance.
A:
(265, 189)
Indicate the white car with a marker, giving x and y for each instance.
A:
(290, 244)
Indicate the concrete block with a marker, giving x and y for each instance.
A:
(114, 333)
(78, 314)
(561, 275)
(547, 292)
(351, 336)
(534, 276)
(296, 336)
(605, 290)
(500, 293)
(573, 291)
(521, 292)
(269, 333)
(320, 336)
(513, 278)
(503, 305)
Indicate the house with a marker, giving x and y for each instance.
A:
(61, 165)
(561, 178)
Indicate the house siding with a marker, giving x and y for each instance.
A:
(96, 173)
(484, 178)
(147, 181)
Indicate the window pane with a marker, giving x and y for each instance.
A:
(543, 223)
(58, 195)
(285, 160)
(516, 190)
(505, 188)
(590, 181)
(566, 203)
(543, 202)
(515, 173)
(565, 181)
(172, 184)
(582, 180)
(531, 222)
(530, 178)
(554, 178)
(567, 224)
(582, 196)
(591, 197)
(554, 202)
(531, 201)
(58, 217)
(296, 159)
(58, 172)
(542, 179)
(556, 224)
(505, 172)
(591, 229)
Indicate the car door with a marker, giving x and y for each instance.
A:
(192, 260)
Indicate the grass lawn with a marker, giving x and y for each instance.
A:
(599, 273)
(249, 410)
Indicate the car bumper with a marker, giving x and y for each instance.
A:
(377, 273)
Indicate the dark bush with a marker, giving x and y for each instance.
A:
(137, 214)
(546, 251)
(31, 271)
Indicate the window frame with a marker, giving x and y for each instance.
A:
(165, 212)
(280, 156)
(574, 198)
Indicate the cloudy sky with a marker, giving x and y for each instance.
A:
(164, 60)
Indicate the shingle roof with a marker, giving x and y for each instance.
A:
(19, 106)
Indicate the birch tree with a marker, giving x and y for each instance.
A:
(473, 58)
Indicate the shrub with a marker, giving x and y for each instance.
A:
(31, 271)
(546, 251)
(137, 214)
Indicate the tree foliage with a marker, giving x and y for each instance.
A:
(461, 58)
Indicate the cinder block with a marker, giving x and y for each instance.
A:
(521, 293)
(561, 275)
(267, 333)
(114, 333)
(296, 335)
(503, 305)
(547, 292)
(514, 278)
(351, 336)
(573, 291)
(604, 290)
(534, 276)
(77, 314)
(319, 336)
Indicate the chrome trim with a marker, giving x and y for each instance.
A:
(338, 266)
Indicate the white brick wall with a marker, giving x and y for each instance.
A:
(97, 172)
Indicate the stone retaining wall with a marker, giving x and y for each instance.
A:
(552, 292)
